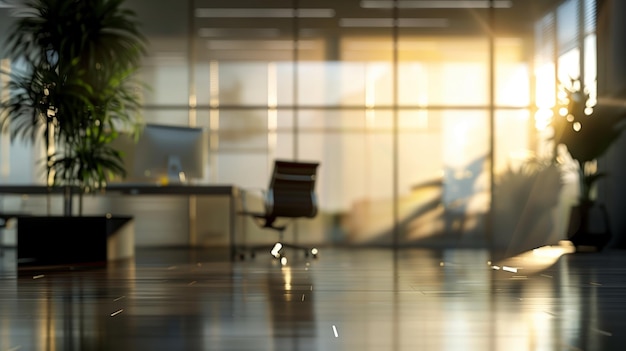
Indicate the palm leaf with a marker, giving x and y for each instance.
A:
(81, 60)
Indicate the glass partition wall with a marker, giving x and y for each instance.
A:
(404, 103)
(418, 111)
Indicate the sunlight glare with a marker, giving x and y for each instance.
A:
(545, 82)
(276, 250)
(537, 259)
(509, 269)
(555, 251)
(287, 277)
(543, 118)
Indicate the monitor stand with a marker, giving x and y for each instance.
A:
(175, 173)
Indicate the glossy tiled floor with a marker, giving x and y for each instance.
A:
(347, 299)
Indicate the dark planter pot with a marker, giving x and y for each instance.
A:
(589, 228)
(70, 242)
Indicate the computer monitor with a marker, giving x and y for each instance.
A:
(170, 151)
(165, 153)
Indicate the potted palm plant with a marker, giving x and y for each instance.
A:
(75, 88)
(587, 129)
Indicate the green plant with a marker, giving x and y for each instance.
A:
(587, 129)
(74, 86)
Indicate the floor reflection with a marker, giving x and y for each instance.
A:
(347, 299)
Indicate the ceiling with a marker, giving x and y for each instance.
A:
(220, 25)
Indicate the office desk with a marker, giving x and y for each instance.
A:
(128, 188)
(4, 219)
(147, 189)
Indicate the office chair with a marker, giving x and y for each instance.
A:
(290, 195)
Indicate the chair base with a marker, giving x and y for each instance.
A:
(276, 250)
